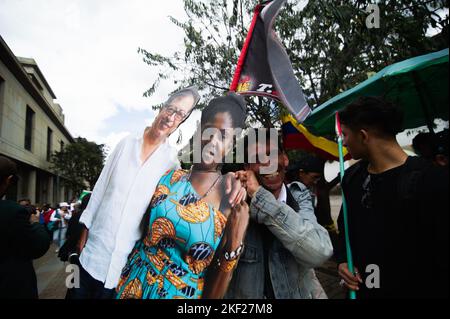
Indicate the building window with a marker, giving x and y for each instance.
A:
(61, 144)
(29, 128)
(49, 143)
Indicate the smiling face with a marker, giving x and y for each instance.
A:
(217, 140)
(172, 114)
(262, 156)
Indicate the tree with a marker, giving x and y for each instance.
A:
(334, 50)
(214, 33)
(330, 46)
(79, 163)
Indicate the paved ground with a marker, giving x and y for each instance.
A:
(329, 279)
(327, 274)
(51, 274)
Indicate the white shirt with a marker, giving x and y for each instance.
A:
(117, 205)
(67, 216)
(53, 216)
(282, 197)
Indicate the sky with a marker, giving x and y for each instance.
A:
(87, 51)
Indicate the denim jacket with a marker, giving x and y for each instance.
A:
(299, 245)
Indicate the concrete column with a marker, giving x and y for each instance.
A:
(32, 186)
(57, 190)
(50, 189)
(20, 185)
(62, 194)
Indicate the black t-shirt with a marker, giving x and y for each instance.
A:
(402, 230)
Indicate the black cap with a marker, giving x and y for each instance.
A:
(308, 164)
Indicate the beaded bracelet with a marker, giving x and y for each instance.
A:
(234, 254)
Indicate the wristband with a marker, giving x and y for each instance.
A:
(234, 254)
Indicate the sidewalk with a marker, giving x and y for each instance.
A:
(328, 277)
(327, 273)
(51, 275)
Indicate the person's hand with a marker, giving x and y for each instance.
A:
(350, 281)
(83, 239)
(249, 181)
(233, 189)
(74, 259)
(236, 226)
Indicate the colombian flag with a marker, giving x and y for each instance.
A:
(296, 136)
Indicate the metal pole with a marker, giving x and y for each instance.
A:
(352, 293)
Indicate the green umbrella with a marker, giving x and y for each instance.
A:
(418, 85)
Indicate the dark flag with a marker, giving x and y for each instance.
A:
(264, 68)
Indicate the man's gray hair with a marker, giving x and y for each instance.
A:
(189, 91)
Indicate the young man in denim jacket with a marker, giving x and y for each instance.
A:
(281, 243)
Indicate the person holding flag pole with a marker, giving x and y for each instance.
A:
(394, 210)
(352, 271)
(397, 206)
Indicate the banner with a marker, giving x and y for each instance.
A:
(264, 68)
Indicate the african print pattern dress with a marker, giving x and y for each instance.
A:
(184, 232)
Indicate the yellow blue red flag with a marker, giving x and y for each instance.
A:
(297, 136)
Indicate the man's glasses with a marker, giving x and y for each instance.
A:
(366, 199)
(179, 115)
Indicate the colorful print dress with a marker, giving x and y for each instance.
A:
(183, 234)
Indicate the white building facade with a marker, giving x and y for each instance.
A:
(31, 129)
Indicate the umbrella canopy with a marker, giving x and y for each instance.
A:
(418, 85)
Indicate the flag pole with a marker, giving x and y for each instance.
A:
(352, 293)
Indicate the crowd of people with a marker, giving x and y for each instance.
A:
(151, 230)
(56, 220)
(27, 232)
